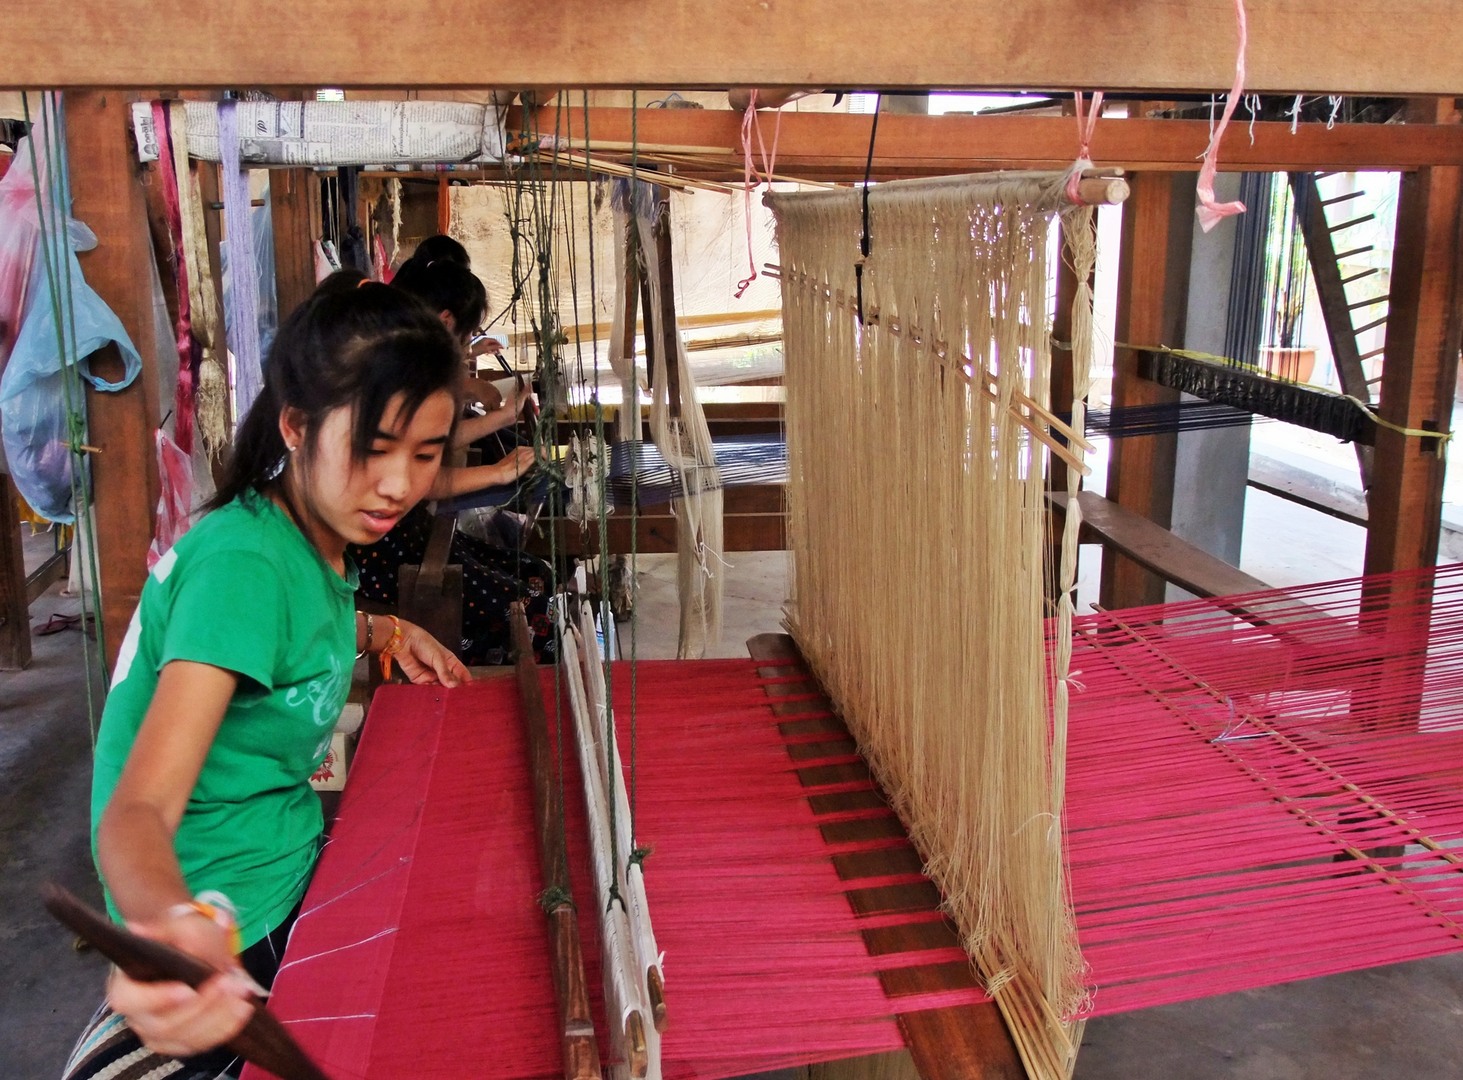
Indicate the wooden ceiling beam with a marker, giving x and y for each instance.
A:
(834, 146)
(1141, 45)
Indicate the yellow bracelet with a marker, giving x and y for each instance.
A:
(216, 909)
(391, 647)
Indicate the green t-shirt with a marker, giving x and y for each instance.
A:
(245, 591)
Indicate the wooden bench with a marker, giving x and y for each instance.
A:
(1155, 548)
(754, 519)
(1175, 560)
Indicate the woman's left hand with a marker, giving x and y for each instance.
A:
(424, 659)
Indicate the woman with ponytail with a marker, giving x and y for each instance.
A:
(237, 663)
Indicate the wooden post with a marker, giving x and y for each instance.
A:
(294, 206)
(109, 198)
(1153, 285)
(629, 424)
(14, 606)
(1419, 372)
(668, 336)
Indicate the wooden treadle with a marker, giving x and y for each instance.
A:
(964, 1042)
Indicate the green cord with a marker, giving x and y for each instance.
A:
(634, 404)
(51, 213)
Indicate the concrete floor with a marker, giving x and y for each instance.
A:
(1394, 1022)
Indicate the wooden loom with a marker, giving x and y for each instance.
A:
(1340, 836)
(767, 48)
(828, 294)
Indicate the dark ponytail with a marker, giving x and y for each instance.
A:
(354, 343)
(446, 286)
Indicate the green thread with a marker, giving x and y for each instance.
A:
(52, 212)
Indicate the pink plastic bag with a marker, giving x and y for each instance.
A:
(175, 471)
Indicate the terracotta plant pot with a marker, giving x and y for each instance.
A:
(1293, 365)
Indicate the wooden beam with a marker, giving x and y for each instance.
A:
(835, 146)
(294, 207)
(1156, 549)
(1305, 488)
(108, 197)
(1153, 286)
(1144, 45)
(754, 520)
(53, 568)
(1335, 305)
(657, 536)
(14, 603)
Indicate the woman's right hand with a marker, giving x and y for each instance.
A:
(172, 1018)
(519, 461)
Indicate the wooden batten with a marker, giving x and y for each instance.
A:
(109, 198)
(964, 1042)
(1153, 285)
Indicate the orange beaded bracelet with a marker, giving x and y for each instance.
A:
(392, 646)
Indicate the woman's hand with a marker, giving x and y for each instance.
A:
(519, 461)
(172, 1018)
(424, 659)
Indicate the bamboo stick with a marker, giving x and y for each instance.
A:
(579, 331)
(580, 1050)
(688, 159)
(676, 182)
(1036, 419)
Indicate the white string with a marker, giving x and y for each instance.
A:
(324, 1019)
(338, 949)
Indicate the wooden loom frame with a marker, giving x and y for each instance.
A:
(89, 45)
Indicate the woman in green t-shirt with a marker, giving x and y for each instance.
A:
(238, 660)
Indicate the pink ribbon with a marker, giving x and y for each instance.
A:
(750, 178)
(1210, 211)
(1086, 123)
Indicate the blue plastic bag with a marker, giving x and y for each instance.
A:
(33, 410)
